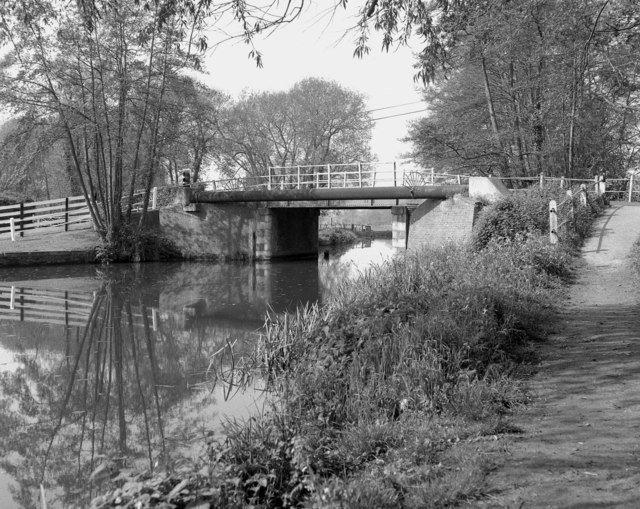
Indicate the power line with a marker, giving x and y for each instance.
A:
(399, 114)
(394, 106)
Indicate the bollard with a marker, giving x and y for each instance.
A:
(12, 226)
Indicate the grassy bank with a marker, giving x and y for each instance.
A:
(384, 396)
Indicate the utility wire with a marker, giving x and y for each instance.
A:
(394, 106)
(399, 114)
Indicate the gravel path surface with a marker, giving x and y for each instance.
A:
(580, 446)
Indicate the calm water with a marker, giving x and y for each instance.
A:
(131, 364)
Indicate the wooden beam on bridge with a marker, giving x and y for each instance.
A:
(317, 194)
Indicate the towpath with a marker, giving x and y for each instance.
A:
(580, 445)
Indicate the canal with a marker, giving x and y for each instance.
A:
(132, 364)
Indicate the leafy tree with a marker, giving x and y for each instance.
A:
(546, 86)
(191, 137)
(100, 71)
(313, 123)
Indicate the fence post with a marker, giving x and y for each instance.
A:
(12, 299)
(597, 184)
(541, 180)
(66, 214)
(459, 179)
(630, 186)
(298, 176)
(12, 227)
(553, 222)
(433, 176)
(562, 182)
(21, 219)
(329, 176)
(583, 194)
(395, 179)
(571, 209)
(359, 174)
(154, 198)
(269, 181)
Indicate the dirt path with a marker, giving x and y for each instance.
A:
(581, 442)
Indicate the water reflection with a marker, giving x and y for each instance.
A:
(117, 367)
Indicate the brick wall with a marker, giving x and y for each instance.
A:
(237, 232)
(211, 231)
(436, 223)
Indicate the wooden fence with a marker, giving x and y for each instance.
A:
(52, 215)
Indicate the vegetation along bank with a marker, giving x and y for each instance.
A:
(384, 396)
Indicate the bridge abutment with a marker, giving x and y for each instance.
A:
(240, 232)
(400, 217)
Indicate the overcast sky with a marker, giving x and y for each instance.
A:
(315, 45)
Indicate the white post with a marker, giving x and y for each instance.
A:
(329, 176)
(359, 174)
(269, 181)
(154, 198)
(583, 195)
(459, 179)
(571, 210)
(12, 299)
(562, 182)
(298, 176)
(154, 319)
(630, 186)
(12, 226)
(553, 222)
(542, 181)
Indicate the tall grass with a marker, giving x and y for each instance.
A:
(376, 388)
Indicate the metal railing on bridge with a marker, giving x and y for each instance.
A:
(338, 176)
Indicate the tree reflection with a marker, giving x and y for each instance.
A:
(115, 395)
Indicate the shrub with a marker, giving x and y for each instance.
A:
(337, 237)
(525, 213)
(131, 245)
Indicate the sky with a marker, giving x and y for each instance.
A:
(315, 45)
